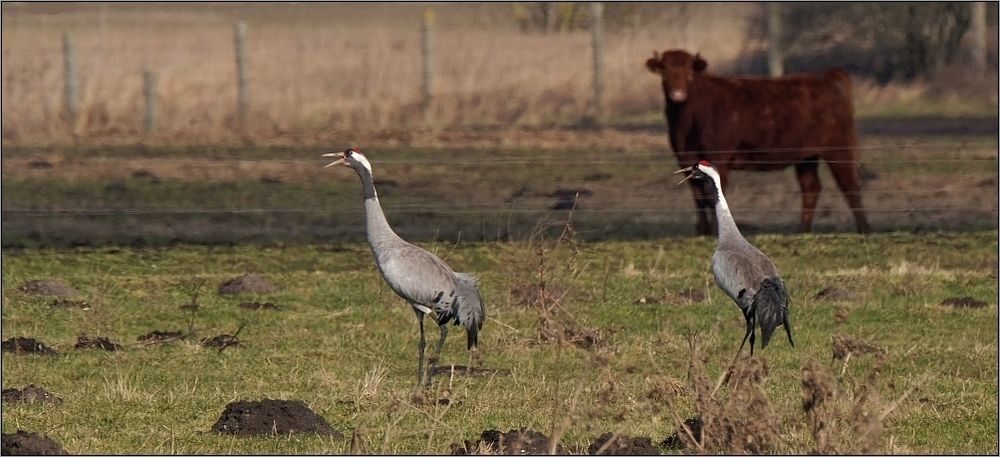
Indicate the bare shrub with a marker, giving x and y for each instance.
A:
(741, 422)
(841, 412)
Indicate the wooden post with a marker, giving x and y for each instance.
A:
(243, 91)
(597, 45)
(979, 35)
(775, 60)
(427, 48)
(149, 90)
(69, 72)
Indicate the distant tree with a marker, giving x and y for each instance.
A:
(888, 40)
(547, 17)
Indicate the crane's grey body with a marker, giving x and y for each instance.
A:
(745, 274)
(421, 278)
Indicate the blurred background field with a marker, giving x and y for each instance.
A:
(503, 137)
(320, 73)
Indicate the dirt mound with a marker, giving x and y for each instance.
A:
(532, 294)
(48, 287)
(468, 371)
(259, 305)
(220, 341)
(844, 345)
(100, 342)
(250, 282)
(271, 417)
(67, 303)
(622, 445)
(29, 394)
(834, 293)
(514, 442)
(30, 443)
(676, 441)
(156, 337)
(963, 302)
(22, 345)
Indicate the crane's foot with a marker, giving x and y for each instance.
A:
(476, 357)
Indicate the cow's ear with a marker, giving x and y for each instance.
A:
(699, 65)
(654, 65)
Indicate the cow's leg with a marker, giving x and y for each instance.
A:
(704, 205)
(808, 174)
(846, 174)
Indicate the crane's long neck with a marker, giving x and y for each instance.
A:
(727, 225)
(377, 227)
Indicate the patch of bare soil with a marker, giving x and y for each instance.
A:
(23, 345)
(468, 371)
(30, 443)
(157, 337)
(259, 305)
(67, 303)
(271, 417)
(29, 394)
(834, 293)
(611, 444)
(552, 330)
(676, 442)
(844, 346)
(52, 287)
(532, 294)
(99, 342)
(220, 341)
(963, 302)
(515, 442)
(250, 282)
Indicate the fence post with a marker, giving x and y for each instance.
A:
(69, 67)
(775, 60)
(979, 35)
(149, 90)
(427, 52)
(597, 45)
(243, 91)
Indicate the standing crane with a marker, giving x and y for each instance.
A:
(741, 270)
(422, 279)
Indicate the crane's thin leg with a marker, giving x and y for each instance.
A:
(749, 317)
(748, 314)
(437, 352)
(421, 346)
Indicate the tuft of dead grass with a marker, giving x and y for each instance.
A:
(741, 422)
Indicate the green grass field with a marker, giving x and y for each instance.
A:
(345, 345)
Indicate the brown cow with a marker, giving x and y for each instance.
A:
(761, 124)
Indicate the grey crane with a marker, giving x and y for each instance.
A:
(422, 279)
(741, 270)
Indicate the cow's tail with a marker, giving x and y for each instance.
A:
(770, 305)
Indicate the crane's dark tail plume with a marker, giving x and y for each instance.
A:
(470, 311)
(770, 305)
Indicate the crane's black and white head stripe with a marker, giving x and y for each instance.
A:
(351, 158)
(354, 159)
(704, 171)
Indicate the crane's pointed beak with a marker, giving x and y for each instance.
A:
(340, 159)
(685, 170)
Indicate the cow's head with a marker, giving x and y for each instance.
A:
(677, 68)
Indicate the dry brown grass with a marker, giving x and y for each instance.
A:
(321, 71)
